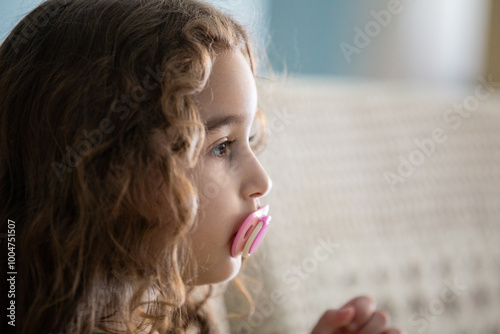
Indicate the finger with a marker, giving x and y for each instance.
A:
(377, 323)
(364, 306)
(332, 320)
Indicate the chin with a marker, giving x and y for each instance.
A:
(221, 272)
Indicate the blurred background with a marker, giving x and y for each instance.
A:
(425, 40)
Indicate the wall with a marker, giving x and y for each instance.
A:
(430, 40)
(11, 12)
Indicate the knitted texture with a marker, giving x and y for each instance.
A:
(381, 189)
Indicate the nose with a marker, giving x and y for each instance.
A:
(256, 181)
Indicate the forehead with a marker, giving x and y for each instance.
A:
(230, 89)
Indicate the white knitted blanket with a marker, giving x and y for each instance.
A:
(383, 189)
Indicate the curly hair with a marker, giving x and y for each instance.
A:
(84, 86)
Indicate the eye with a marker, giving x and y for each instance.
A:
(223, 149)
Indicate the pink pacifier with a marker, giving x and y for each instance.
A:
(251, 233)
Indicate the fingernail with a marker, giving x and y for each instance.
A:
(345, 311)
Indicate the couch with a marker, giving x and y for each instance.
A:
(381, 188)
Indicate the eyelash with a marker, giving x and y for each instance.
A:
(227, 146)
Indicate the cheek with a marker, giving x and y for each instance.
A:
(213, 188)
(207, 235)
(216, 200)
(214, 177)
(215, 218)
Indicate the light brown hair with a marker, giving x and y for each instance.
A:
(83, 85)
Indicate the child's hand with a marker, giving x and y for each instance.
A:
(356, 316)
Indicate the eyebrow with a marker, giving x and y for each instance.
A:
(218, 122)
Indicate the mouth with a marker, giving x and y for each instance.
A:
(260, 212)
(251, 232)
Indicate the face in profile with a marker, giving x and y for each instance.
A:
(230, 179)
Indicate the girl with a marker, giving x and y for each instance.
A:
(127, 165)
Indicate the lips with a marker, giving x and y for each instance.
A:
(260, 212)
(251, 232)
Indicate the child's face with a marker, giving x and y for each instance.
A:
(230, 178)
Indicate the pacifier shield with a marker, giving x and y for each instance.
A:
(252, 231)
